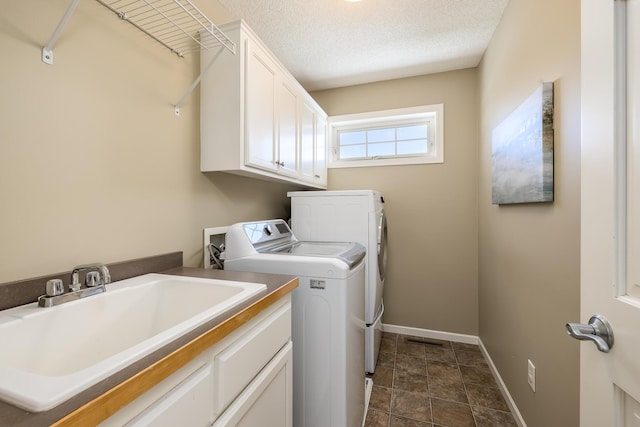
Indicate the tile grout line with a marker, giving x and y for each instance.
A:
(393, 378)
(426, 371)
(464, 384)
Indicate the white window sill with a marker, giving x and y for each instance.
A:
(385, 162)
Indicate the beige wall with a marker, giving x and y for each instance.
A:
(432, 273)
(529, 254)
(94, 166)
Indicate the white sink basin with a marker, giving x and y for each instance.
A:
(51, 354)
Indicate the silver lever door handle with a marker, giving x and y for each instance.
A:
(598, 330)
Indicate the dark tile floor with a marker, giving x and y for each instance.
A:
(427, 383)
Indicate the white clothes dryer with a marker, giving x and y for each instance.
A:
(354, 216)
(327, 316)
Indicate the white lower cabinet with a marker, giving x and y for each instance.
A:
(243, 380)
(268, 399)
(190, 400)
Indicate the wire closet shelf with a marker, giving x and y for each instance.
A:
(178, 25)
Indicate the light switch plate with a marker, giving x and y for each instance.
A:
(531, 375)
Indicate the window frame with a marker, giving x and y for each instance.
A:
(389, 118)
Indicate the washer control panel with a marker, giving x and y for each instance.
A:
(268, 232)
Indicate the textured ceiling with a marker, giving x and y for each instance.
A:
(334, 43)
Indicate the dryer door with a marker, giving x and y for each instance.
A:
(382, 245)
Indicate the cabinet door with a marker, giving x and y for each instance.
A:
(307, 141)
(320, 162)
(268, 400)
(260, 109)
(287, 129)
(242, 361)
(190, 400)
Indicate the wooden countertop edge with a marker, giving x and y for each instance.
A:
(107, 404)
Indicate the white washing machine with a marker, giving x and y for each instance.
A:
(354, 216)
(327, 316)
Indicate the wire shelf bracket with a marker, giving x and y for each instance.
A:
(47, 50)
(178, 25)
(196, 82)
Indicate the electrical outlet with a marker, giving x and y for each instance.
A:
(531, 375)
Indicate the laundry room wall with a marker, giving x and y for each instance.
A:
(432, 214)
(94, 165)
(529, 255)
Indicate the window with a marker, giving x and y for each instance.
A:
(391, 137)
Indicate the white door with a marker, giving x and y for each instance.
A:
(307, 137)
(610, 212)
(320, 160)
(287, 129)
(260, 92)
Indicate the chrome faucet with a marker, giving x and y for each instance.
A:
(97, 276)
(100, 277)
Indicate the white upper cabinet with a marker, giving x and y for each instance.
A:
(255, 118)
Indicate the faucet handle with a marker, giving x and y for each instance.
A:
(54, 287)
(92, 278)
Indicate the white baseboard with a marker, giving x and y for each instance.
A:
(467, 339)
(512, 405)
(368, 388)
(428, 333)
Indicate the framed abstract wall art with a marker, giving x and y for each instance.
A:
(522, 152)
